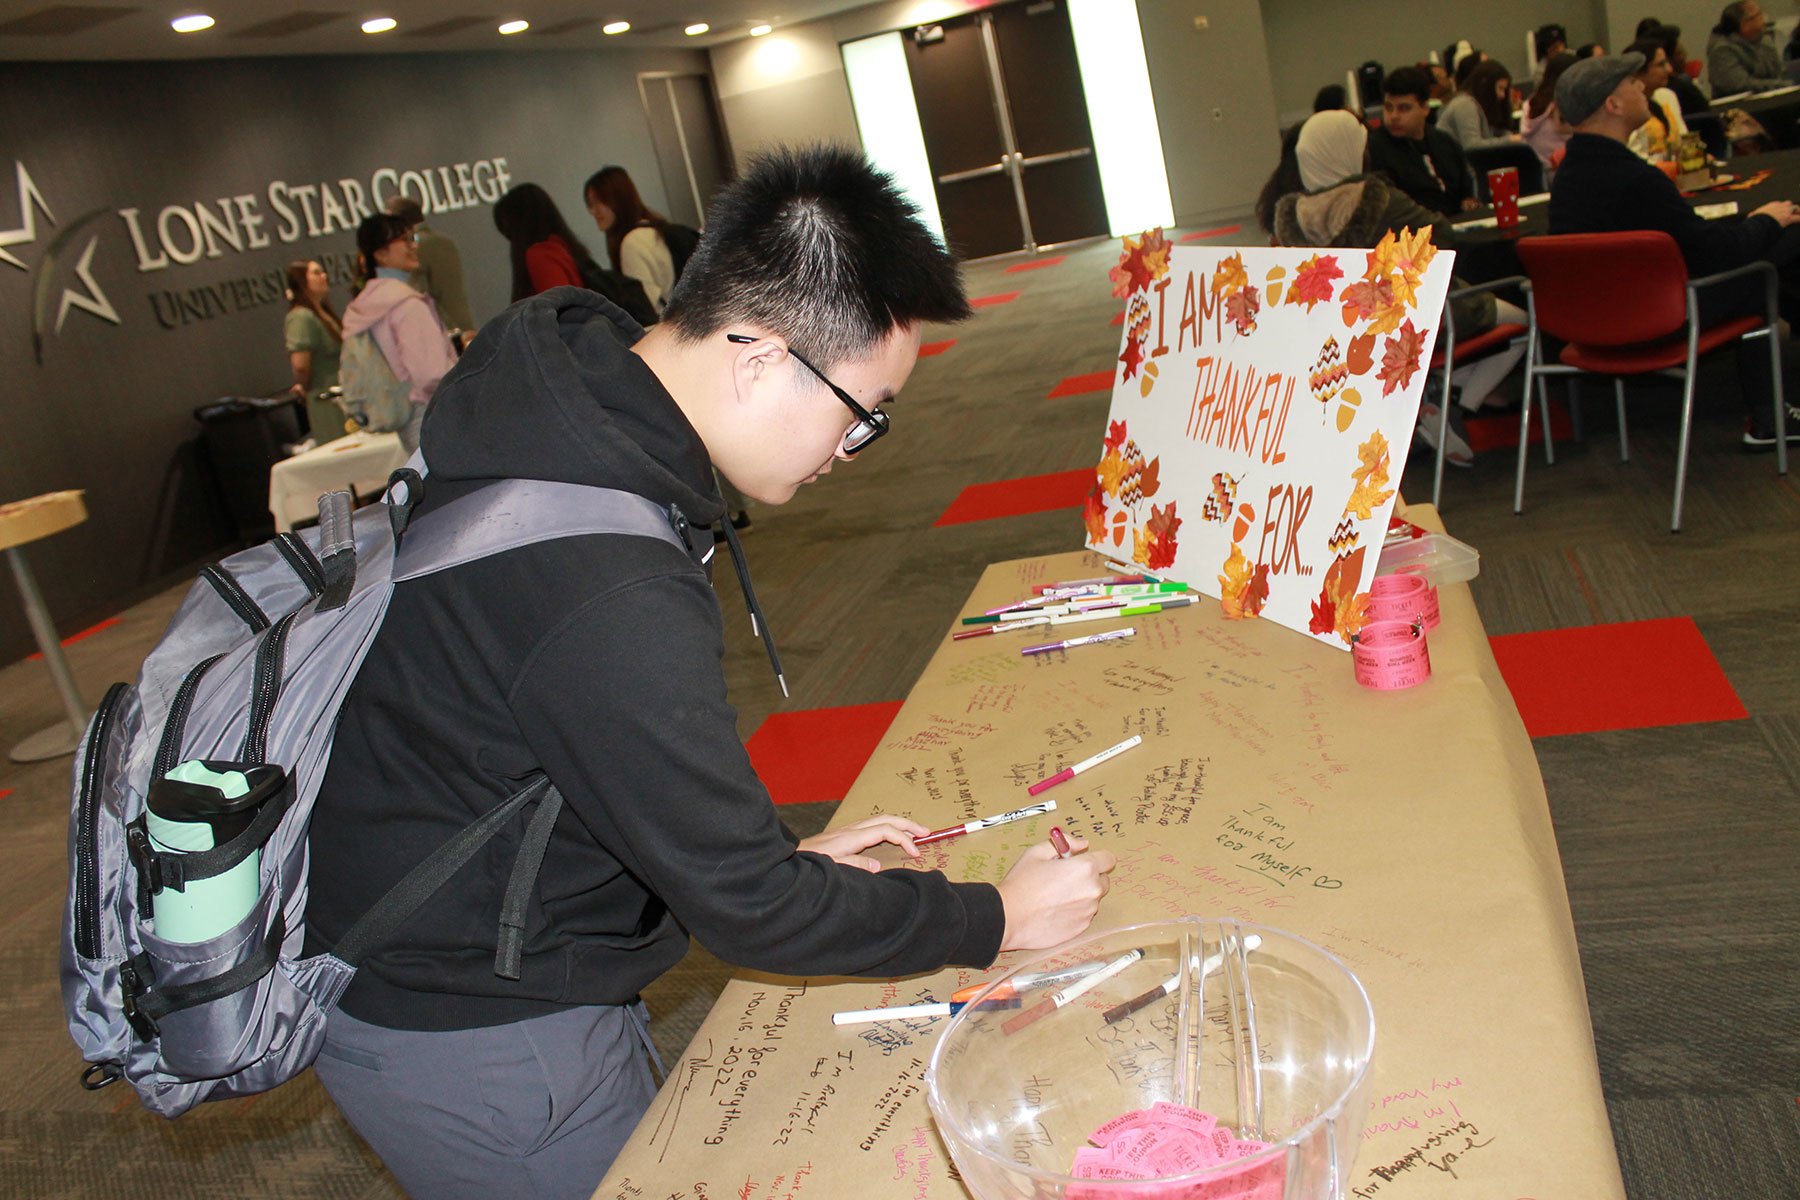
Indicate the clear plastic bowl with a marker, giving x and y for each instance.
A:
(1014, 1106)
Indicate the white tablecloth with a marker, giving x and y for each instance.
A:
(359, 461)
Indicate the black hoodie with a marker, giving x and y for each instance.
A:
(596, 659)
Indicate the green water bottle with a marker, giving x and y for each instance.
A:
(199, 805)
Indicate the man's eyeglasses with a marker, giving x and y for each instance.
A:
(869, 425)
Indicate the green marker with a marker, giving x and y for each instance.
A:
(1171, 602)
(980, 620)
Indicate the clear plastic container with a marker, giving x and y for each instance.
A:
(1440, 558)
(1261, 1030)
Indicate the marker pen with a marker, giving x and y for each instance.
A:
(1072, 993)
(1018, 814)
(1109, 636)
(1068, 773)
(1141, 609)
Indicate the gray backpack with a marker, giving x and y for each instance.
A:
(251, 674)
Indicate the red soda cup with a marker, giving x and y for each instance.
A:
(1503, 191)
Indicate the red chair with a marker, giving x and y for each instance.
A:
(1448, 354)
(1625, 305)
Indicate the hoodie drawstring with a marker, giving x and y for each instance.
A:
(759, 624)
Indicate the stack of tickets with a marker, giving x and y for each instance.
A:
(1172, 1139)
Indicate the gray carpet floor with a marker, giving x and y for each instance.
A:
(1681, 845)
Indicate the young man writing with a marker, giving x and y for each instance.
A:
(1425, 162)
(597, 660)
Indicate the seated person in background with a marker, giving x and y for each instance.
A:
(1442, 86)
(545, 252)
(1657, 139)
(1542, 125)
(1344, 206)
(1549, 41)
(1741, 55)
(1590, 50)
(1602, 187)
(1285, 178)
(1426, 163)
(1687, 92)
(1480, 115)
(1329, 97)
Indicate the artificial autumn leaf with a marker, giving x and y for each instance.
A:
(1313, 280)
(1258, 593)
(1115, 435)
(1324, 613)
(1369, 301)
(1351, 615)
(1155, 248)
(1233, 585)
(1111, 472)
(1132, 274)
(1373, 457)
(1401, 258)
(1147, 482)
(1159, 533)
(1400, 358)
(1231, 276)
(1365, 498)
(1132, 358)
(1094, 514)
(1359, 356)
(1241, 308)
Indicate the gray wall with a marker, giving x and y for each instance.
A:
(109, 409)
(786, 87)
(1313, 42)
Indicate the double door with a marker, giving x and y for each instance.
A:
(1006, 129)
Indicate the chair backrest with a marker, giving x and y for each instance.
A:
(1606, 289)
(1523, 157)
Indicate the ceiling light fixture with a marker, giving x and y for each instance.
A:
(616, 27)
(759, 30)
(379, 24)
(696, 29)
(192, 23)
(515, 27)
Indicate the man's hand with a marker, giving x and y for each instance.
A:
(1784, 211)
(1470, 204)
(846, 845)
(1049, 899)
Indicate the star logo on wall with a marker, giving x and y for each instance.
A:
(93, 300)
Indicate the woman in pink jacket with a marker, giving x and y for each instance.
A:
(403, 321)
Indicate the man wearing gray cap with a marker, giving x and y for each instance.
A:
(1602, 187)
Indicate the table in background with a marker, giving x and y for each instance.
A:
(1484, 254)
(21, 522)
(1778, 112)
(1407, 832)
(360, 462)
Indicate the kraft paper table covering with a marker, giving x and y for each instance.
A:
(1422, 855)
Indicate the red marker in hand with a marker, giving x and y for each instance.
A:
(1060, 842)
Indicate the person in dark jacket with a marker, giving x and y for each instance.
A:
(596, 660)
(1602, 187)
(1692, 99)
(1423, 161)
(1741, 54)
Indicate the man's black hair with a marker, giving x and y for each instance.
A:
(1647, 46)
(406, 208)
(816, 245)
(1408, 81)
(1329, 97)
(1548, 36)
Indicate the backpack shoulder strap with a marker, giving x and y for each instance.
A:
(523, 512)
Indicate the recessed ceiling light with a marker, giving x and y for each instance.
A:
(759, 30)
(696, 29)
(379, 24)
(515, 27)
(615, 27)
(192, 23)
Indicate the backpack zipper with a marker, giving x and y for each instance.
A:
(305, 563)
(169, 749)
(87, 826)
(265, 690)
(235, 597)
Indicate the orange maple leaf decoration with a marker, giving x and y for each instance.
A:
(1111, 472)
(1313, 280)
(1230, 276)
(1372, 301)
(1400, 357)
(1359, 356)
(1133, 357)
(1234, 585)
(1094, 514)
(1368, 479)
(1241, 308)
(1159, 537)
(1401, 258)
(1258, 593)
(1144, 261)
(1340, 608)
(1115, 435)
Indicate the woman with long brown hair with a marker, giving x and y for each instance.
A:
(635, 233)
(1542, 127)
(315, 337)
(1480, 115)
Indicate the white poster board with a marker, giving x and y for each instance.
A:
(1261, 413)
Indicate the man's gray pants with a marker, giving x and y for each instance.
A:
(537, 1109)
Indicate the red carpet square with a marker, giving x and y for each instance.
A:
(1017, 497)
(990, 301)
(76, 637)
(1118, 318)
(805, 757)
(1198, 235)
(5, 792)
(1033, 265)
(931, 348)
(1501, 431)
(1633, 675)
(1078, 385)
